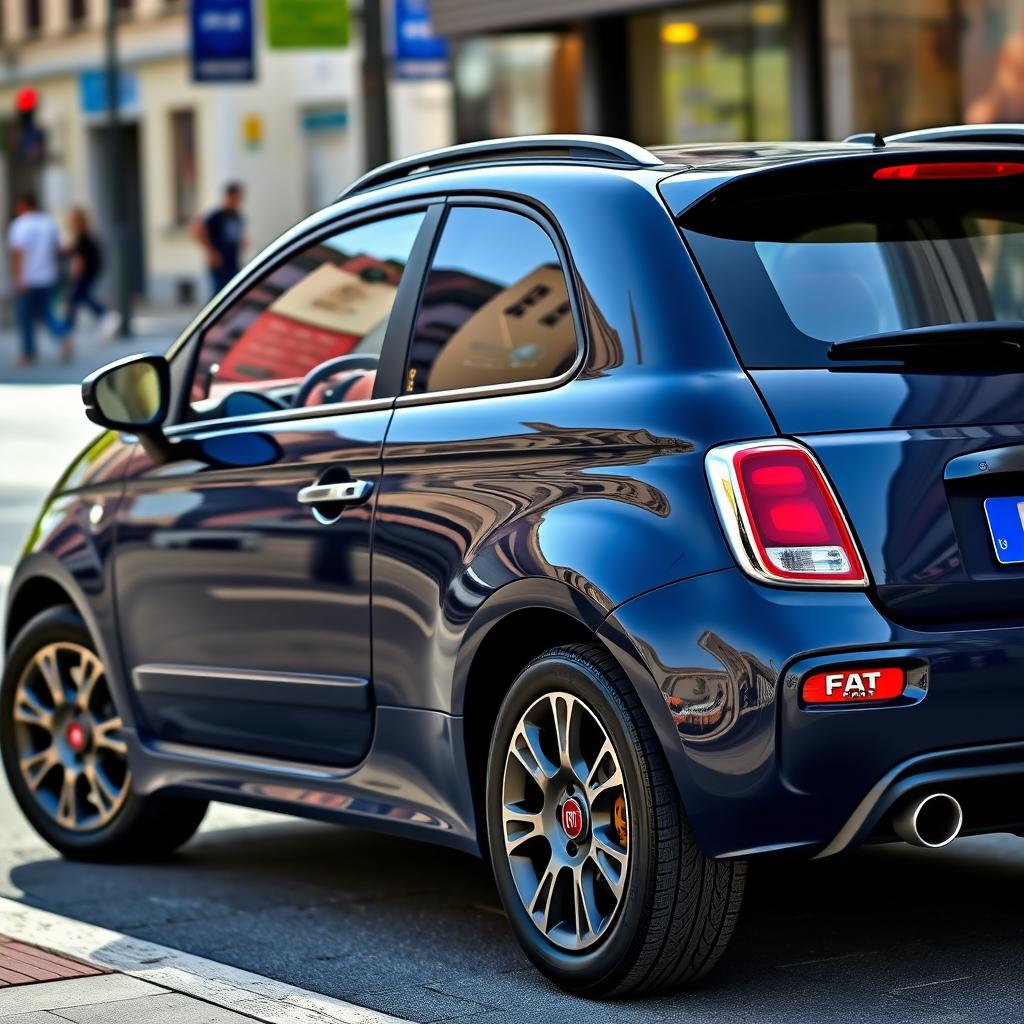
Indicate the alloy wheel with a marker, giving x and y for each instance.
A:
(565, 821)
(67, 738)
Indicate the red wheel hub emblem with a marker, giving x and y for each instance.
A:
(75, 736)
(572, 818)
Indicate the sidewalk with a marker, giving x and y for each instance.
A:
(111, 978)
(37, 986)
(107, 999)
(153, 330)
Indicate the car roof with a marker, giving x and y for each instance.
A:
(743, 155)
(594, 150)
(719, 161)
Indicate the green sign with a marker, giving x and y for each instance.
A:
(307, 24)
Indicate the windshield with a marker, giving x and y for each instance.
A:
(789, 290)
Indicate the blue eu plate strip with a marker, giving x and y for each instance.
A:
(1006, 524)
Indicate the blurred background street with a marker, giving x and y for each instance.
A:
(139, 113)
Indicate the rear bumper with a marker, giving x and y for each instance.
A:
(759, 773)
(987, 780)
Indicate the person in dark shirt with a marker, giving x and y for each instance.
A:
(86, 262)
(221, 234)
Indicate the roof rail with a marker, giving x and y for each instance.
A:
(995, 133)
(594, 148)
(866, 139)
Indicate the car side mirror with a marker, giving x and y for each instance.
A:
(132, 394)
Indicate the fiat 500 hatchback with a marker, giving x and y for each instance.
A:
(619, 515)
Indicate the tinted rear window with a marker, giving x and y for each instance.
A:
(791, 277)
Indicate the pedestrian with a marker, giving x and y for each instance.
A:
(86, 262)
(34, 242)
(221, 234)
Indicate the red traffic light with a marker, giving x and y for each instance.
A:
(26, 99)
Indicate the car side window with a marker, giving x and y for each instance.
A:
(495, 306)
(281, 343)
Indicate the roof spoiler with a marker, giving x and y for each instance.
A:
(706, 204)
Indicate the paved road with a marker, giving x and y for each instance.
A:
(888, 934)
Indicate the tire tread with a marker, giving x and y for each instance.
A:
(696, 900)
(147, 826)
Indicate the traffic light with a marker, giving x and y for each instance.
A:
(31, 138)
(26, 100)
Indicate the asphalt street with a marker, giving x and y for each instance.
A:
(887, 934)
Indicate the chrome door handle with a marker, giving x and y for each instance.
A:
(349, 492)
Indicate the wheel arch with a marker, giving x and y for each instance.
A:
(527, 618)
(34, 595)
(491, 674)
(43, 581)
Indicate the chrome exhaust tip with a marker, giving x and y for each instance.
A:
(933, 821)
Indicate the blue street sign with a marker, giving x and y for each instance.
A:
(419, 52)
(222, 41)
(92, 91)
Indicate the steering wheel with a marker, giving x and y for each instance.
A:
(352, 361)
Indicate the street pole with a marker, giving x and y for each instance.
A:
(375, 86)
(116, 187)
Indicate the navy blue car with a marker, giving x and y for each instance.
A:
(618, 515)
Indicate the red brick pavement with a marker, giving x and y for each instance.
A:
(26, 965)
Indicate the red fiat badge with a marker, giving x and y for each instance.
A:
(75, 737)
(572, 818)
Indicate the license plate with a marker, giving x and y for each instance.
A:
(1006, 524)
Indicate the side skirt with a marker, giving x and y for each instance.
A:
(412, 782)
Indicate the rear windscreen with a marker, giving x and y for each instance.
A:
(796, 274)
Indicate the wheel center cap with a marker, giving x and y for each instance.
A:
(572, 818)
(75, 735)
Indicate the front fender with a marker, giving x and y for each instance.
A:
(86, 586)
(67, 555)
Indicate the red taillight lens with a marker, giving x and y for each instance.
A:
(854, 686)
(949, 171)
(781, 516)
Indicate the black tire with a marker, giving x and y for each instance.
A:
(679, 908)
(144, 827)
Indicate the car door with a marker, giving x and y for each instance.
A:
(483, 447)
(243, 561)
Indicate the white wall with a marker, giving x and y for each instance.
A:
(422, 116)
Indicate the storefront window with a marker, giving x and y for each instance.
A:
(891, 66)
(919, 63)
(517, 85)
(715, 73)
(992, 55)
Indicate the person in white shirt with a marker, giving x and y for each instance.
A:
(34, 243)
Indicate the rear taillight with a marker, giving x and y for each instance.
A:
(949, 171)
(781, 517)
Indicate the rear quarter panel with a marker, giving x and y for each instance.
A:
(594, 489)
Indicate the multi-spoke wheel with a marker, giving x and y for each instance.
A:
(65, 754)
(67, 737)
(565, 820)
(599, 873)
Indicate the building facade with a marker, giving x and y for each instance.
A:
(722, 70)
(293, 137)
